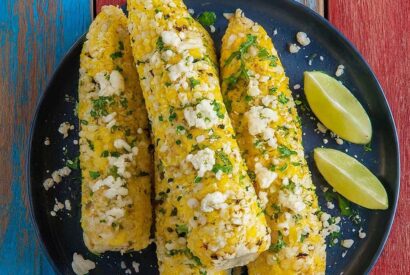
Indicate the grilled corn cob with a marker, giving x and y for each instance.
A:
(206, 199)
(264, 116)
(115, 162)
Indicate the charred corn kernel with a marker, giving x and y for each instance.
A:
(207, 213)
(115, 162)
(264, 116)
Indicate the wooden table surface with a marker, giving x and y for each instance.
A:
(35, 34)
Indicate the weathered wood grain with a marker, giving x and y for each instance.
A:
(378, 29)
(34, 35)
(316, 5)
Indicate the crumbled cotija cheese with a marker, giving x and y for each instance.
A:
(203, 116)
(213, 201)
(80, 265)
(293, 48)
(264, 177)
(67, 205)
(56, 177)
(203, 161)
(321, 128)
(340, 70)
(302, 38)
(339, 141)
(347, 243)
(362, 234)
(136, 266)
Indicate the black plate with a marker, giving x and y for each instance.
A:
(61, 236)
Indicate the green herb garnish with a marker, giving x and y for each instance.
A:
(207, 18)
(94, 174)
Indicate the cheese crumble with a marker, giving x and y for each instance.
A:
(203, 161)
(80, 265)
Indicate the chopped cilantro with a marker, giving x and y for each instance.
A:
(193, 82)
(303, 237)
(243, 48)
(180, 129)
(283, 168)
(248, 98)
(344, 206)
(182, 230)
(172, 114)
(114, 171)
(272, 90)
(291, 186)
(100, 106)
(207, 18)
(285, 151)
(217, 108)
(298, 102)
(198, 179)
(276, 247)
(83, 122)
(367, 147)
(90, 144)
(223, 163)
(115, 154)
(178, 142)
(73, 164)
(332, 237)
(124, 102)
(121, 46)
(94, 174)
(264, 55)
(251, 175)
(116, 55)
(160, 44)
(283, 99)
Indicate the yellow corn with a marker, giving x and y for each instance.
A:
(264, 116)
(207, 213)
(114, 139)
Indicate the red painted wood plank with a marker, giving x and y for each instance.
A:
(100, 3)
(377, 28)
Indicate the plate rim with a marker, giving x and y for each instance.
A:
(326, 24)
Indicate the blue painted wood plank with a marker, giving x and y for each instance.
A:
(34, 36)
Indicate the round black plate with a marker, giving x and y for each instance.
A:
(61, 236)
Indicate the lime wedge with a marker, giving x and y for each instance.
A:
(351, 179)
(337, 108)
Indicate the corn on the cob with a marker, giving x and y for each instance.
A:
(206, 200)
(264, 116)
(114, 140)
